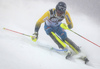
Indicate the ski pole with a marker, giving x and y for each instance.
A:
(84, 38)
(16, 32)
(35, 39)
(64, 26)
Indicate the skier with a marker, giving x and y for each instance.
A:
(53, 24)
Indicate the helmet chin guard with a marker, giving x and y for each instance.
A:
(59, 15)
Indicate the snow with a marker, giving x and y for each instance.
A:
(20, 52)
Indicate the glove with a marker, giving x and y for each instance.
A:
(34, 37)
(69, 26)
(64, 26)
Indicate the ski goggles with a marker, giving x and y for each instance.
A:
(61, 8)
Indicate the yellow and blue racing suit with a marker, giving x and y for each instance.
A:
(52, 23)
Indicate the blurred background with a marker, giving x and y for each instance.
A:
(22, 15)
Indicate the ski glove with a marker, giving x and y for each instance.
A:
(69, 26)
(34, 37)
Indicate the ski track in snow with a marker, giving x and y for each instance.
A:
(19, 52)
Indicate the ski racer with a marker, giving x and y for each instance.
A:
(55, 28)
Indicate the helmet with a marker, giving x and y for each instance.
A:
(61, 7)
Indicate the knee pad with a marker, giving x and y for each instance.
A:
(63, 36)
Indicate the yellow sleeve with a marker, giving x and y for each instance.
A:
(41, 20)
(68, 19)
(44, 17)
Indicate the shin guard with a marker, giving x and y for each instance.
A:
(57, 40)
(72, 45)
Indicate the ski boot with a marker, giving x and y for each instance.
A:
(85, 59)
(69, 54)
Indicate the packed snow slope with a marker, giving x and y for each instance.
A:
(20, 52)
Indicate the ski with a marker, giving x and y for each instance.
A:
(85, 59)
(52, 48)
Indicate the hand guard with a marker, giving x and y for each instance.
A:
(64, 26)
(34, 37)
